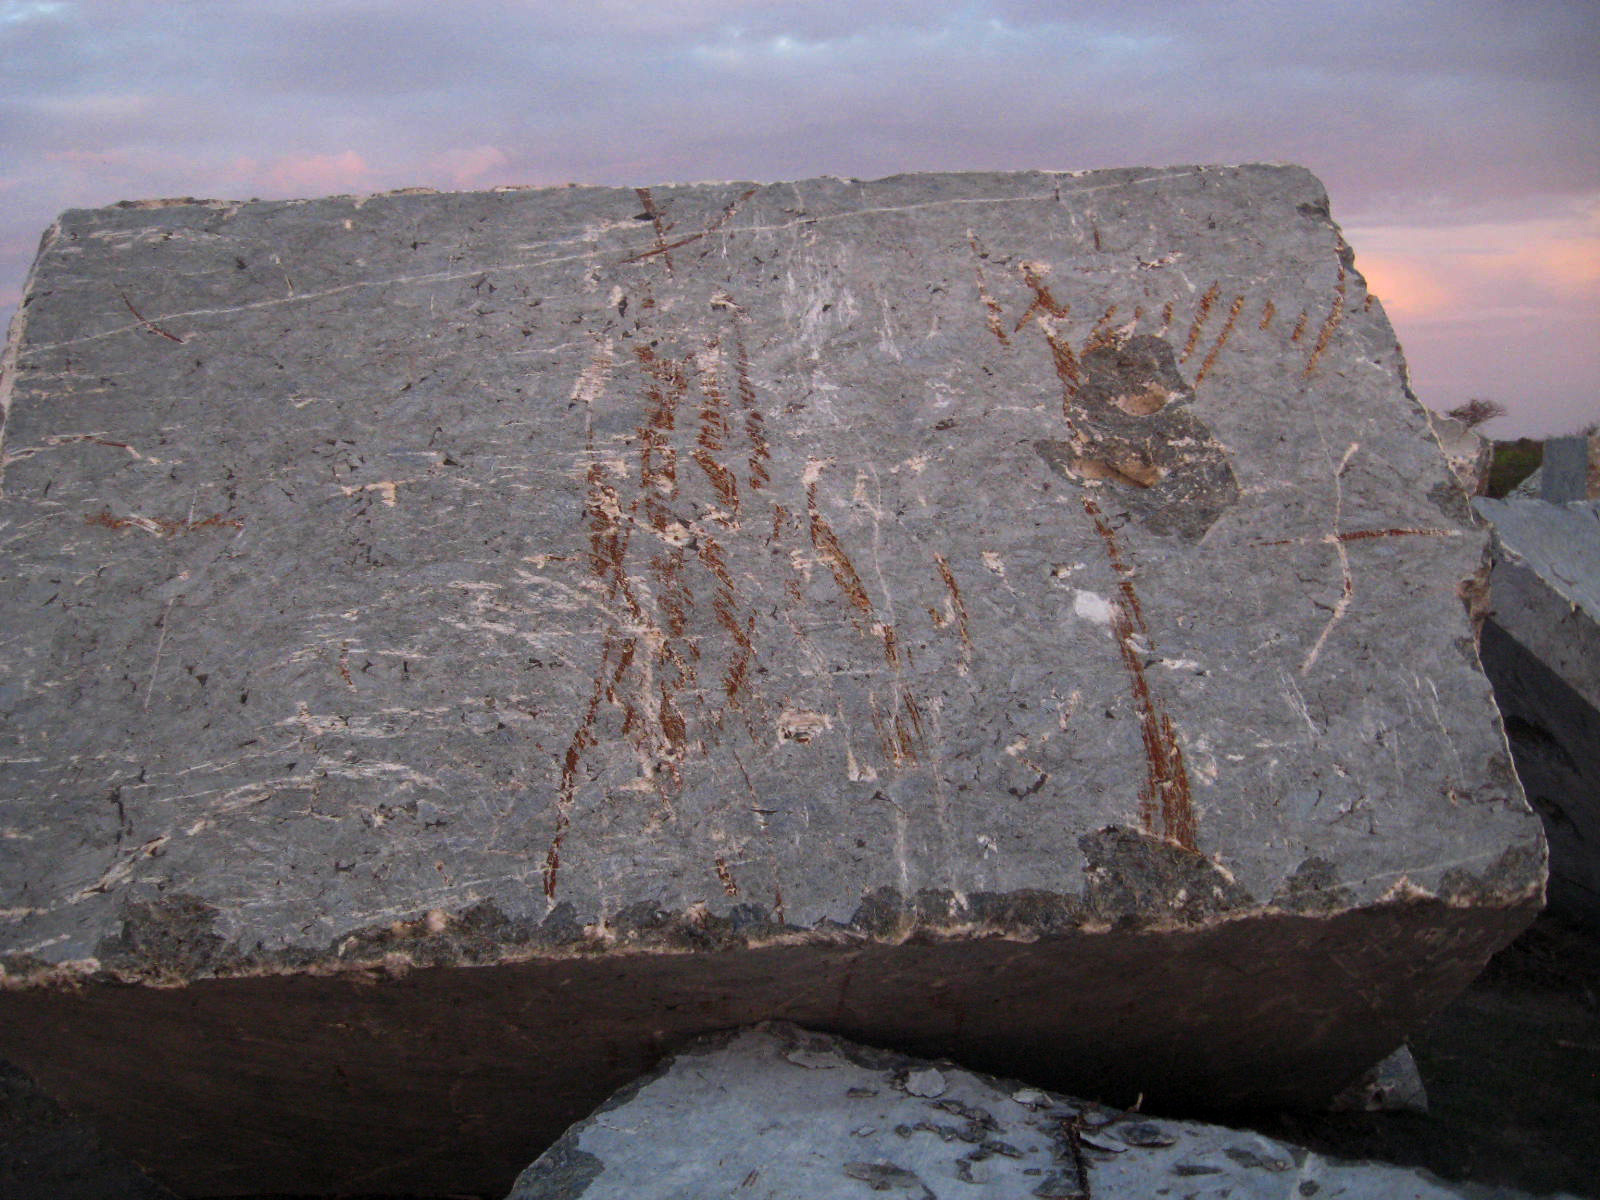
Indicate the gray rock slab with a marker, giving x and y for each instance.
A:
(1541, 649)
(462, 645)
(779, 1113)
(1533, 488)
(1564, 469)
(1545, 585)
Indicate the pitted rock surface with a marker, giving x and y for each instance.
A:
(777, 1112)
(903, 569)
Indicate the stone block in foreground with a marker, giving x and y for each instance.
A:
(459, 646)
(777, 1112)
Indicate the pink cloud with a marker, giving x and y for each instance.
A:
(1408, 287)
(1451, 272)
(469, 165)
(316, 174)
(1502, 309)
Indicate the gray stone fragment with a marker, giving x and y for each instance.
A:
(927, 1083)
(1393, 1085)
(463, 645)
(1541, 649)
(1564, 469)
(732, 1116)
(1469, 454)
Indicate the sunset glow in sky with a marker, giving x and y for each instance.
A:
(1460, 141)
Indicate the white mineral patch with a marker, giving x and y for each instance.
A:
(1092, 606)
(928, 1083)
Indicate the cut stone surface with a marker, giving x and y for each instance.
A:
(778, 1112)
(458, 646)
(1541, 648)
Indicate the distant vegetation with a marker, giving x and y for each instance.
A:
(1513, 462)
(1476, 412)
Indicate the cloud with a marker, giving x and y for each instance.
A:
(318, 174)
(1409, 288)
(1481, 121)
(1503, 308)
(14, 12)
(1446, 272)
(468, 166)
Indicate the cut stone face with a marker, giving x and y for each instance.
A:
(463, 644)
(778, 1111)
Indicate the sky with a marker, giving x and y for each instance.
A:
(1459, 139)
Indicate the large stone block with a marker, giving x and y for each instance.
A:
(457, 646)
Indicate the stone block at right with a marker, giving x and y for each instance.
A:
(1541, 649)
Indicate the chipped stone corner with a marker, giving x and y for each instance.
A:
(16, 335)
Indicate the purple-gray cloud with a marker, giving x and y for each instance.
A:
(1476, 117)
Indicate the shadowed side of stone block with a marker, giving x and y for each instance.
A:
(45, 1154)
(458, 646)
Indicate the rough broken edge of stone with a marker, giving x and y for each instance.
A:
(1468, 452)
(777, 1111)
(1049, 1012)
(170, 943)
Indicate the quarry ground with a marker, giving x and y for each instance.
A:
(1512, 1070)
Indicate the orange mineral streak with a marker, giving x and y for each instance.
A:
(993, 314)
(161, 526)
(1166, 806)
(831, 551)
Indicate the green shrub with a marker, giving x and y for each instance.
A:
(1513, 462)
